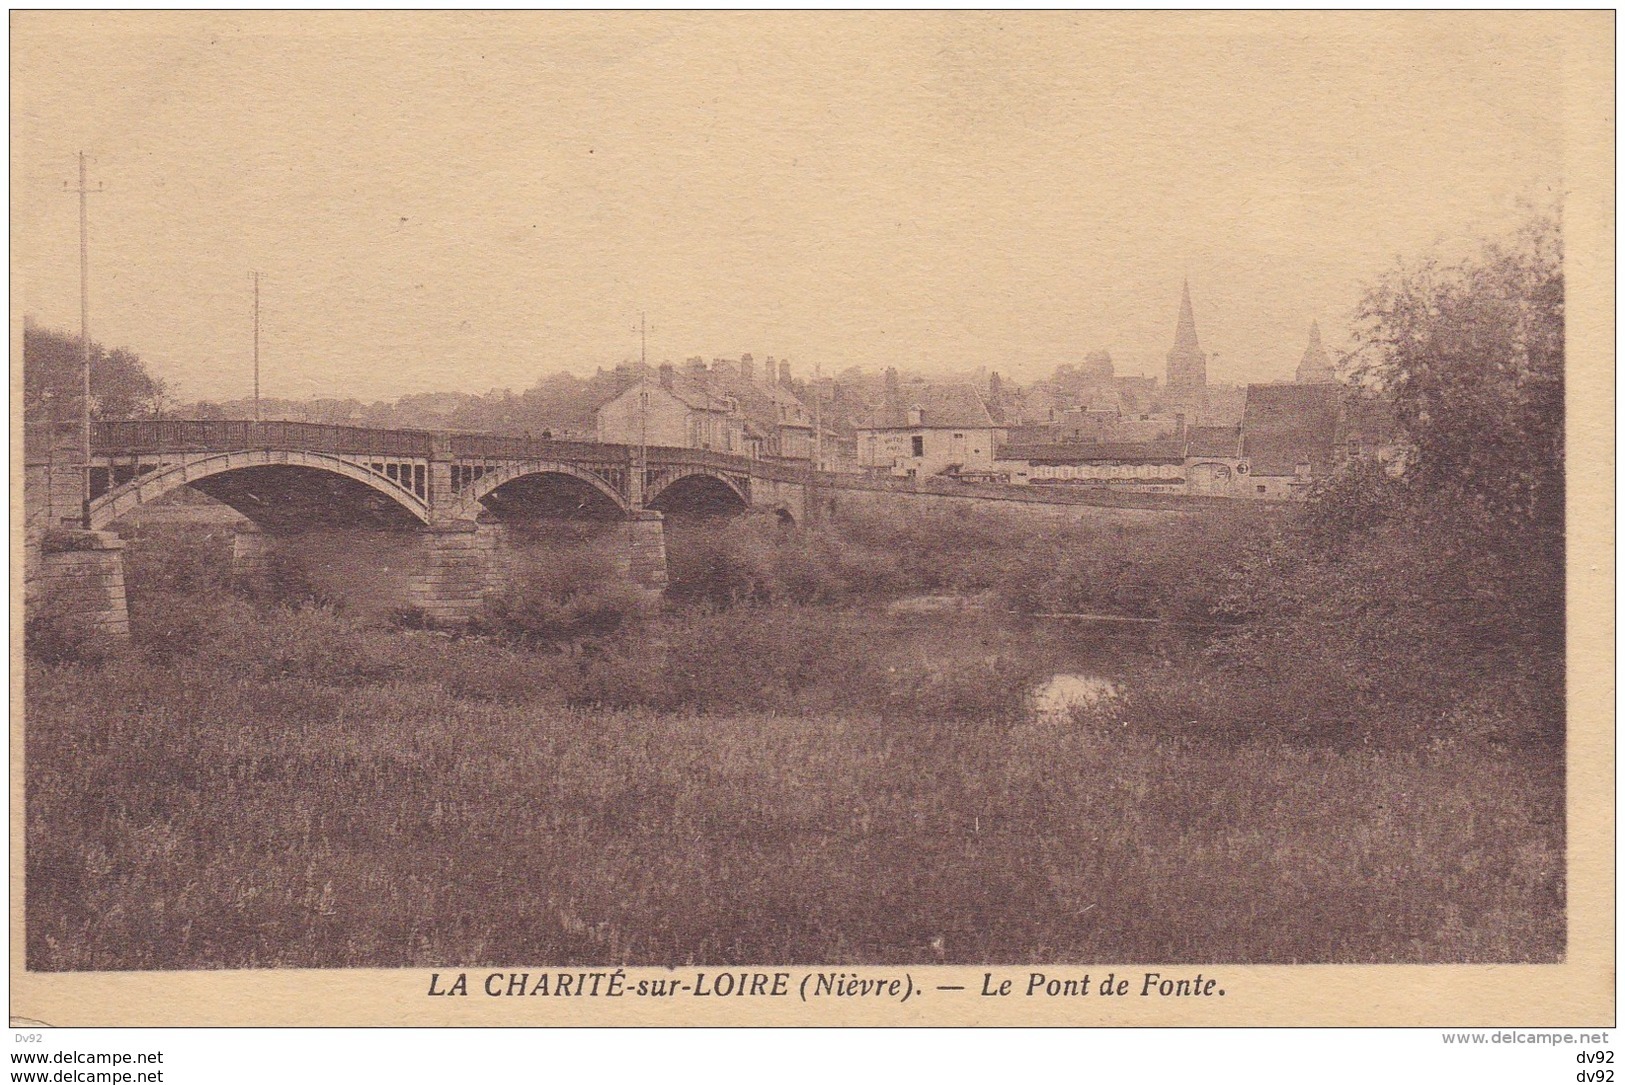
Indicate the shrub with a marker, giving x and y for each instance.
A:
(563, 586)
(60, 627)
(308, 642)
(164, 558)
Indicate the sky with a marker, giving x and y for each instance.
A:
(460, 202)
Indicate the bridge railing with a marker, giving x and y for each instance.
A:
(171, 435)
(697, 457)
(492, 446)
(780, 470)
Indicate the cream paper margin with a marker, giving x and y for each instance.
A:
(1579, 992)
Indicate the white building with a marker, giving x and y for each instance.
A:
(927, 429)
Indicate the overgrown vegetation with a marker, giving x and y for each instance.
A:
(1157, 566)
(302, 792)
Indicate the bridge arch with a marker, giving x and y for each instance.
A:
(472, 498)
(169, 477)
(689, 478)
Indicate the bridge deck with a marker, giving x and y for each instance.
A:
(158, 436)
(153, 437)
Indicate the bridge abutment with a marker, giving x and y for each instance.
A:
(76, 581)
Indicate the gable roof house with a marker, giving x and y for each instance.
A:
(1289, 436)
(669, 414)
(723, 408)
(929, 429)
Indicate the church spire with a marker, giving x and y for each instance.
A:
(1316, 366)
(1185, 333)
(1187, 364)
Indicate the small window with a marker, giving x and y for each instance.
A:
(919, 445)
(1263, 489)
(959, 436)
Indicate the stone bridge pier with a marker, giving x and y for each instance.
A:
(462, 563)
(444, 573)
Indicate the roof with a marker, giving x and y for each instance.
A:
(1221, 441)
(768, 405)
(1286, 424)
(694, 398)
(942, 406)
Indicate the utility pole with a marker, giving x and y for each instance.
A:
(84, 332)
(810, 506)
(818, 425)
(257, 346)
(643, 402)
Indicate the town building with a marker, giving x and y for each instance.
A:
(724, 408)
(929, 429)
(1152, 466)
(1289, 437)
(1214, 466)
(661, 414)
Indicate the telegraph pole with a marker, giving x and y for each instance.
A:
(257, 346)
(818, 425)
(84, 191)
(643, 402)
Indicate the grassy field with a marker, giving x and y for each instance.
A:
(279, 787)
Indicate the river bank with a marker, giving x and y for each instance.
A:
(792, 785)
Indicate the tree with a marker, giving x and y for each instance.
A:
(1434, 599)
(1471, 357)
(120, 386)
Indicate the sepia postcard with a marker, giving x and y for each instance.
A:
(815, 518)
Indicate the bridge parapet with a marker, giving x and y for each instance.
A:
(495, 446)
(145, 436)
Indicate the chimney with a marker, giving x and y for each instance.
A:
(668, 373)
(696, 365)
(784, 374)
(747, 367)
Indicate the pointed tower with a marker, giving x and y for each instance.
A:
(1187, 364)
(1316, 366)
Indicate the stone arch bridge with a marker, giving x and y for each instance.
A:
(452, 496)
